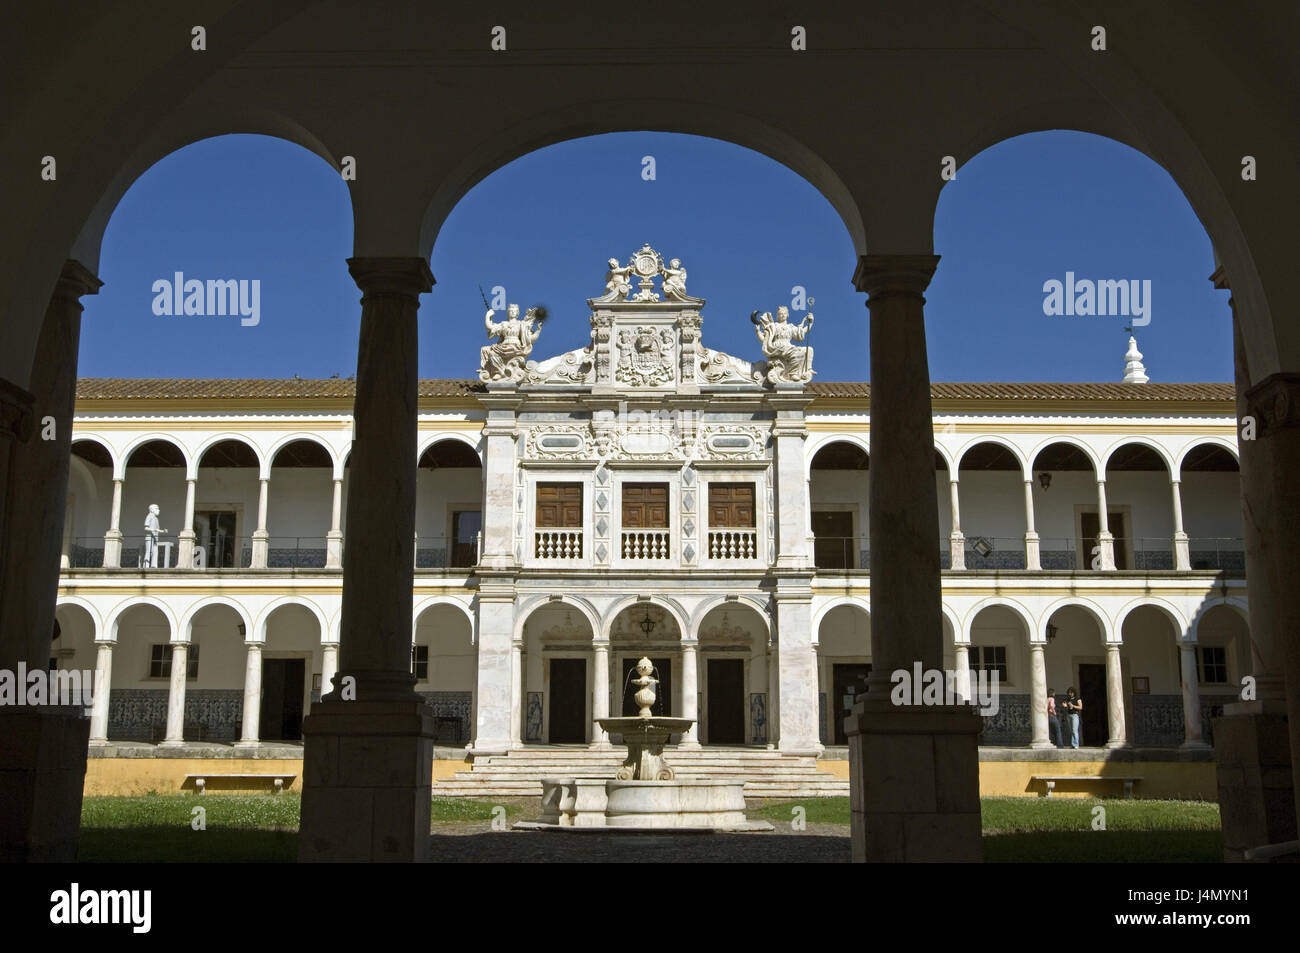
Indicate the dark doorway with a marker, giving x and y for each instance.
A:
(726, 701)
(1093, 725)
(833, 539)
(663, 691)
(282, 682)
(849, 681)
(568, 701)
(1089, 527)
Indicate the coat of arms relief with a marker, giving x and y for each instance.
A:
(645, 356)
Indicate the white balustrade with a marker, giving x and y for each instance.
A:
(558, 544)
(733, 544)
(645, 544)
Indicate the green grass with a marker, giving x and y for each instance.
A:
(1044, 830)
(256, 828)
(263, 828)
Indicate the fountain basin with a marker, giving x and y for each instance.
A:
(645, 739)
(694, 804)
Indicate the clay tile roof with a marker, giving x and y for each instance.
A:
(143, 388)
(1042, 391)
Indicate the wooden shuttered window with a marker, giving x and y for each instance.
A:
(731, 505)
(559, 505)
(645, 505)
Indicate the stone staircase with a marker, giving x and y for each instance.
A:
(767, 774)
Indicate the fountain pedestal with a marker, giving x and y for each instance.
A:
(645, 739)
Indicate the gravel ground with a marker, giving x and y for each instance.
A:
(476, 842)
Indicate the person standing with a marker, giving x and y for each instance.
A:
(1053, 722)
(1073, 706)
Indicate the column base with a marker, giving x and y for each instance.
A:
(1042, 745)
(185, 549)
(1182, 553)
(957, 551)
(261, 548)
(1033, 559)
(112, 550)
(1256, 788)
(171, 744)
(1194, 746)
(367, 778)
(43, 751)
(1116, 744)
(333, 550)
(249, 746)
(914, 783)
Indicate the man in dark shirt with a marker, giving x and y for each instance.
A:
(1073, 708)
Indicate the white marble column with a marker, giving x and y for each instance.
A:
(1182, 546)
(496, 619)
(334, 539)
(1105, 541)
(261, 542)
(252, 696)
(599, 692)
(176, 695)
(956, 540)
(792, 521)
(773, 695)
(961, 662)
(1033, 560)
(797, 674)
(113, 538)
(690, 691)
(1191, 698)
(185, 546)
(329, 665)
(100, 697)
(1115, 698)
(499, 472)
(1038, 697)
(516, 692)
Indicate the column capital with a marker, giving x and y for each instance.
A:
(105, 643)
(880, 275)
(1275, 402)
(75, 280)
(16, 414)
(403, 277)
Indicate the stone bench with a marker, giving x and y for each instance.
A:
(1050, 780)
(278, 781)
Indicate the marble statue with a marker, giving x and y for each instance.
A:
(675, 281)
(151, 533)
(617, 283)
(787, 363)
(505, 360)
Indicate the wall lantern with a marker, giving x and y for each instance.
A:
(1044, 480)
(982, 546)
(647, 624)
(1051, 631)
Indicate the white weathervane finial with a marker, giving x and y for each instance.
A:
(1134, 371)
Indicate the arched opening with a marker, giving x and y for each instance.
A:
(558, 675)
(142, 660)
(1210, 475)
(999, 645)
(228, 508)
(444, 660)
(1153, 692)
(1075, 656)
(988, 476)
(449, 506)
(1223, 659)
(150, 478)
(302, 479)
(214, 700)
(843, 664)
(1065, 500)
(839, 484)
(72, 649)
(292, 661)
(734, 670)
(1137, 486)
(86, 517)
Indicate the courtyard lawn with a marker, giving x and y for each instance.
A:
(254, 828)
(264, 828)
(1044, 830)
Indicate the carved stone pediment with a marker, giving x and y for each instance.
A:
(572, 367)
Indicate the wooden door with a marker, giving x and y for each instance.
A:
(731, 505)
(568, 687)
(726, 701)
(1090, 526)
(645, 505)
(559, 505)
(1094, 724)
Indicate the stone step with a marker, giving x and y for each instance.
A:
(600, 770)
(485, 789)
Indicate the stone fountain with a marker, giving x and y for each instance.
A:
(645, 793)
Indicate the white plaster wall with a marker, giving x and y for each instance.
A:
(993, 505)
(1151, 651)
(1000, 626)
(453, 658)
(298, 504)
(438, 491)
(1212, 506)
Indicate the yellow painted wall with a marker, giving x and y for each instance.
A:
(1161, 779)
(1194, 780)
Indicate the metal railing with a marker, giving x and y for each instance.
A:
(995, 552)
(1224, 554)
(447, 552)
(842, 552)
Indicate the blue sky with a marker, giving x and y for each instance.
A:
(747, 229)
